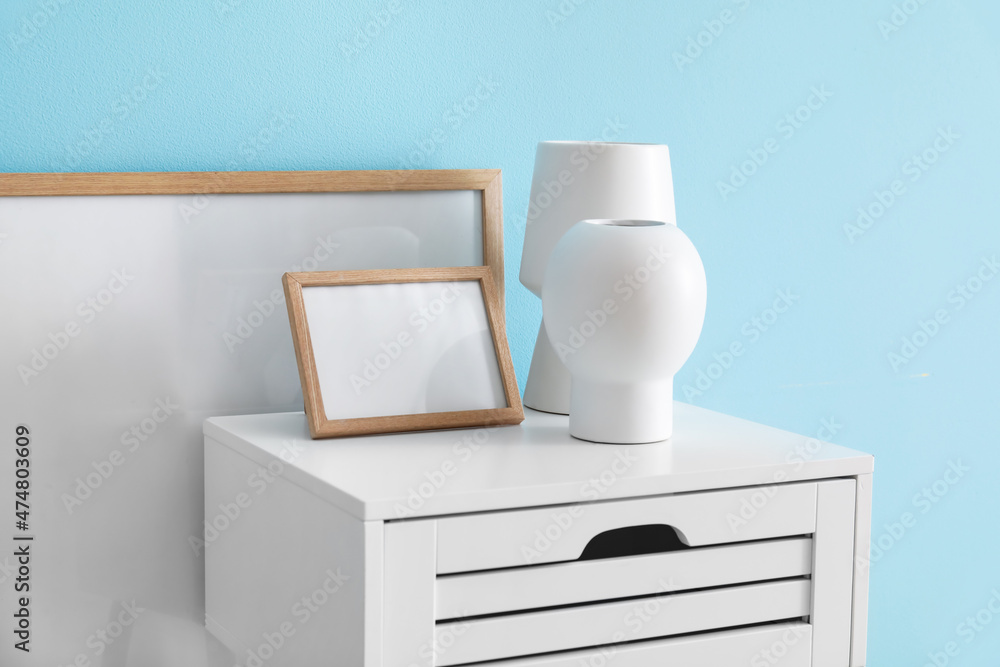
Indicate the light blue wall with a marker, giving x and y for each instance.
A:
(157, 85)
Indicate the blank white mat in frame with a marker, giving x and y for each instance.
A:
(403, 348)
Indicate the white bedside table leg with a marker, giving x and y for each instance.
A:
(410, 573)
(833, 573)
(374, 586)
(862, 551)
(287, 574)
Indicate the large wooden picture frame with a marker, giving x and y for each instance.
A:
(487, 181)
(137, 305)
(350, 324)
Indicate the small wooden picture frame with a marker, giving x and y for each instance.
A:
(386, 351)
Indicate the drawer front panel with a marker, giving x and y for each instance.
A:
(732, 648)
(629, 620)
(553, 534)
(517, 589)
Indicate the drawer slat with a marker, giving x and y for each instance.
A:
(595, 625)
(499, 591)
(729, 648)
(552, 534)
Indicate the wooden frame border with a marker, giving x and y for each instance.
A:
(322, 427)
(488, 181)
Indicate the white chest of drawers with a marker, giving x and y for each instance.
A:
(733, 544)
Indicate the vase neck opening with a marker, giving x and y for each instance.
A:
(627, 223)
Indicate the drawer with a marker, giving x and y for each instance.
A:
(600, 624)
(498, 591)
(531, 537)
(751, 646)
(741, 568)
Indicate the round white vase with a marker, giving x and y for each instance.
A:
(623, 303)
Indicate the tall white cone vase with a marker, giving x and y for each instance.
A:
(573, 181)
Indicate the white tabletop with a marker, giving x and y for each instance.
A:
(536, 463)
